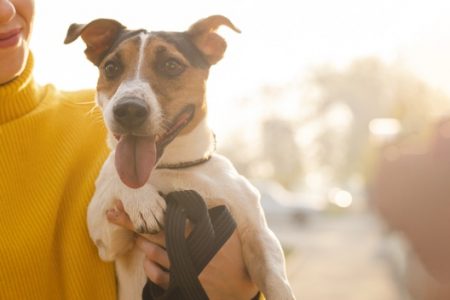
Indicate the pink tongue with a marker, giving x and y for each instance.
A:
(135, 159)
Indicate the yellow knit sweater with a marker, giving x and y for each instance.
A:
(52, 145)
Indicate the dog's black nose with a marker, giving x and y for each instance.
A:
(130, 112)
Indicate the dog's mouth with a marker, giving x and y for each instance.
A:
(136, 156)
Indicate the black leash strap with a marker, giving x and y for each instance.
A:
(188, 256)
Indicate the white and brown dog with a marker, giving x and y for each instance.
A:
(151, 89)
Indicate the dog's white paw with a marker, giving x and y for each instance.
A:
(146, 209)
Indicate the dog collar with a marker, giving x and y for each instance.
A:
(185, 164)
(191, 163)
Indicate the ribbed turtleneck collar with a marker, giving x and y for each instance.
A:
(19, 96)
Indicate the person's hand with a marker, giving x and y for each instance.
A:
(412, 192)
(225, 276)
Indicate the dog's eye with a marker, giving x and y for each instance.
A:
(111, 69)
(172, 67)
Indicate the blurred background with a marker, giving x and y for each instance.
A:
(307, 102)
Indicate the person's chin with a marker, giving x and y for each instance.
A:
(12, 62)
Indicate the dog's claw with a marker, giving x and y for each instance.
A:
(146, 211)
(143, 230)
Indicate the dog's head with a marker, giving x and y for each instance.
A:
(151, 85)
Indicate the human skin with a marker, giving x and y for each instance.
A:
(225, 276)
(16, 22)
(411, 191)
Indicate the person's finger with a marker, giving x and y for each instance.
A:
(154, 252)
(156, 238)
(119, 217)
(156, 274)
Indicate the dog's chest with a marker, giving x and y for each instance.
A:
(211, 180)
(167, 181)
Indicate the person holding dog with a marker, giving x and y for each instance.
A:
(47, 178)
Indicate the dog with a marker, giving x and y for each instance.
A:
(151, 90)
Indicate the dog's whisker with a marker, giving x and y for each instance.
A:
(166, 124)
(99, 121)
(163, 129)
(86, 102)
(91, 111)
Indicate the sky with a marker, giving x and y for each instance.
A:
(281, 40)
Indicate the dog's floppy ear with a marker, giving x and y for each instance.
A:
(99, 35)
(203, 34)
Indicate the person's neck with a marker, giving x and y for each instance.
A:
(12, 68)
(20, 95)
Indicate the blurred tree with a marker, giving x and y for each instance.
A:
(281, 151)
(371, 89)
(321, 124)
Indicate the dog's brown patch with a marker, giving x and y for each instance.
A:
(126, 58)
(174, 93)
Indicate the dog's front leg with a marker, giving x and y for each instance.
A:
(111, 240)
(265, 262)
